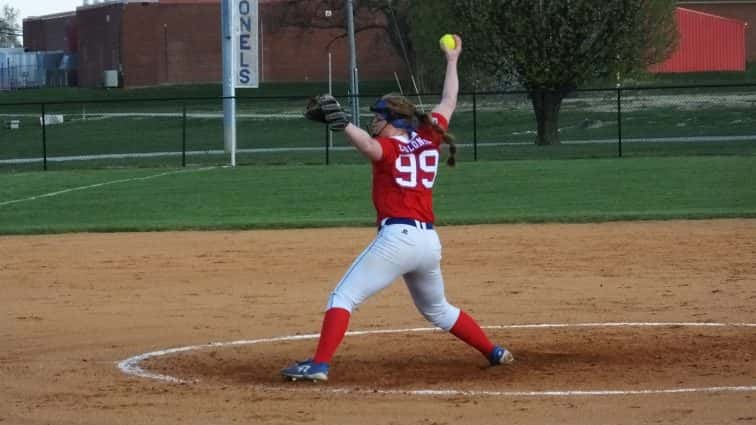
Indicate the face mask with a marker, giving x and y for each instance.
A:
(374, 130)
(381, 108)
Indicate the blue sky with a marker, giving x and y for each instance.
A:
(41, 7)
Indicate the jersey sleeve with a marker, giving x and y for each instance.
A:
(390, 152)
(440, 120)
(427, 132)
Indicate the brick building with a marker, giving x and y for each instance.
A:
(153, 42)
(51, 43)
(51, 32)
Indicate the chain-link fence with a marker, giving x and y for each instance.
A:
(26, 77)
(626, 122)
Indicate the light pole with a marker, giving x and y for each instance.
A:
(354, 86)
(229, 87)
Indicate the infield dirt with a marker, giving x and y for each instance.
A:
(74, 305)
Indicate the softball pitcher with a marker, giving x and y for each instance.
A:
(404, 149)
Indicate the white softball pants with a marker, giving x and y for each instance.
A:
(399, 250)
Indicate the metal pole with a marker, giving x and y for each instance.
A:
(44, 140)
(619, 121)
(229, 89)
(183, 135)
(330, 74)
(327, 148)
(330, 91)
(475, 126)
(353, 74)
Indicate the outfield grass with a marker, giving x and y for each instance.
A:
(318, 196)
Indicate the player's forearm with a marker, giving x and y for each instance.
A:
(451, 88)
(451, 85)
(362, 141)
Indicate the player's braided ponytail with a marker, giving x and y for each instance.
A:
(401, 108)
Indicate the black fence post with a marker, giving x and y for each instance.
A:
(327, 145)
(619, 120)
(475, 126)
(183, 134)
(44, 140)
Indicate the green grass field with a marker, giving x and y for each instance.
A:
(339, 195)
(707, 175)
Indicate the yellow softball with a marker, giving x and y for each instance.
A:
(447, 42)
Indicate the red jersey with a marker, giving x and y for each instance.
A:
(403, 178)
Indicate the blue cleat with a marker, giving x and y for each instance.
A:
(500, 355)
(306, 370)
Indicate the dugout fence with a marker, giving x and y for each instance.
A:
(490, 126)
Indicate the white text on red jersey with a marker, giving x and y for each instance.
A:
(414, 145)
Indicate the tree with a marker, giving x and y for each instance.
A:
(550, 47)
(9, 31)
(553, 46)
(427, 21)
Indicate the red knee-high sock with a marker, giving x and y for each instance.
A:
(468, 330)
(335, 324)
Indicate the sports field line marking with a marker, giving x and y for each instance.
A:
(483, 393)
(96, 185)
(130, 366)
(218, 152)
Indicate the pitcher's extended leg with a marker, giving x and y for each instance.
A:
(427, 289)
(468, 330)
(335, 325)
(378, 265)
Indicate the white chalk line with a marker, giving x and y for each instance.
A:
(130, 366)
(96, 185)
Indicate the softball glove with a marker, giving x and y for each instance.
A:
(326, 109)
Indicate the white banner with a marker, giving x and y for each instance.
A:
(246, 43)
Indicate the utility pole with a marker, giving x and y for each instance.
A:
(354, 84)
